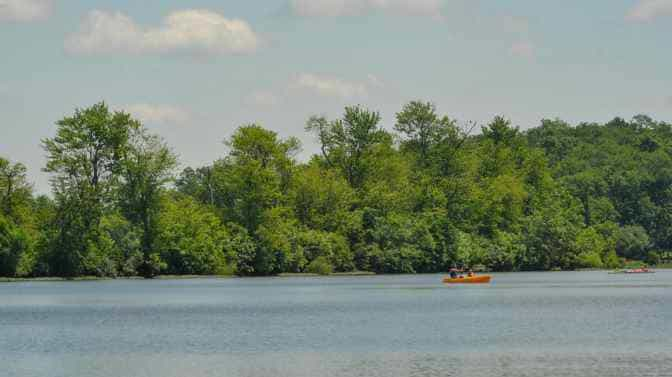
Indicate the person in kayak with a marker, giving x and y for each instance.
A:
(470, 273)
(453, 273)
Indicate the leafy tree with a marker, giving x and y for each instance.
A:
(190, 240)
(146, 167)
(555, 137)
(423, 199)
(398, 243)
(248, 190)
(15, 191)
(632, 242)
(470, 249)
(256, 175)
(85, 154)
(506, 252)
(423, 129)
(389, 186)
(254, 144)
(125, 245)
(549, 236)
(242, 248)
(346, 143)
(43, 209)
(330, 248)
(279, 247)
(588, 186)
(320, 266)
(84, 158)
(501, 132)
(198, 183)
(321, 198)
(14, 250)
(591, 248)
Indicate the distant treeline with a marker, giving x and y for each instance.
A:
(427, 196)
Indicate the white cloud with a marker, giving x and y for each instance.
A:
(335, 87)
(316, 85)
(374, 81)
(25, 10)
(263, 98)
(335, 8)
(647, 10)
(523, 49)
(194, 30)
(158, 114)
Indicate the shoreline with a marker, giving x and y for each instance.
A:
(182, 277)
(282, 275)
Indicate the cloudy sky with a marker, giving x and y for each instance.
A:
(193, 70)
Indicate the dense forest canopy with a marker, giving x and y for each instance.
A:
(426, 196)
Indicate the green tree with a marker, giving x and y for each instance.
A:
(555, 137)
(84, 158)
(321, 198)
(633, 242)
(254, 144)
(501, 132)
(279, 248)
(588, 186)
(200, 184)
(146, 167)
(423, 129)
(190, 240)
(15, 191)
(591, 248)
(255, 176)
(14, 250)
(549, 235)
(347, 143)
(320, 266)
(427, 198)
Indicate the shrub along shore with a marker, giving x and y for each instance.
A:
(420, 196)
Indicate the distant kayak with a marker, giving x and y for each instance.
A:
(481, 279)
(634, 271)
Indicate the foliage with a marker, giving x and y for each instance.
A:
(632, 242)
(146, 168)
(321, 198)
(85, 158)
(14, 250)
(190, 240)
(15, 191)
(278, 248)
(347, 143)
(320, 266)
(591, 248)
(421, 196)
(423, 129)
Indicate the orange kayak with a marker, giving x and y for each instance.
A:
(481, 279)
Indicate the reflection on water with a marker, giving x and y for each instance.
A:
(527, 324)
(336, 364)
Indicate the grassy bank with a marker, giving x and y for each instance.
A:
(665, 266)
(307, 274)
(174, 277)
(47, 279)
(96, 278)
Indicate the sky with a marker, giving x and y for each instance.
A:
(195, 70)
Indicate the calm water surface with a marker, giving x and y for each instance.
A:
(524, 324)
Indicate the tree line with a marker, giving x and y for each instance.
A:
(429, 195)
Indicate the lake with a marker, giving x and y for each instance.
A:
(523, 324)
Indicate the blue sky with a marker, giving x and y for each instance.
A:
(194, 70)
